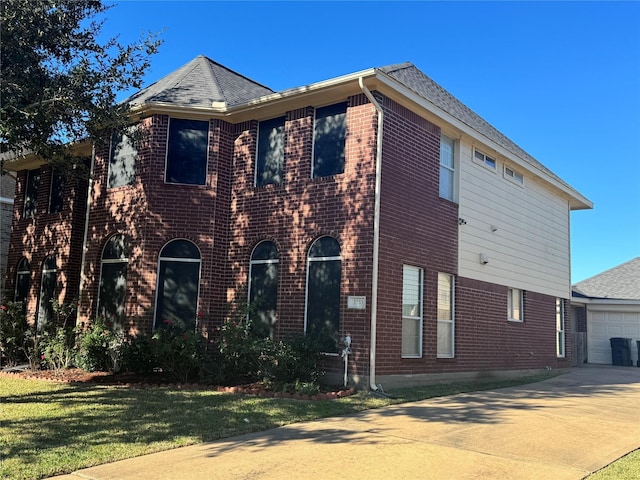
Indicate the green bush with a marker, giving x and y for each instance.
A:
(297, 359)
(138, 355)
(58, 347)
(13, 332)
(177, 351)
(100, 347)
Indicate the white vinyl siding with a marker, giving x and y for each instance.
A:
(523, 230)
(411, 312)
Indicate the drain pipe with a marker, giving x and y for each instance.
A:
(376, 241)
(86, 229)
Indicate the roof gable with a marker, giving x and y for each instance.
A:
(201, 83)
(621, 283)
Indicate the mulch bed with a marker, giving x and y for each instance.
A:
(128, 379)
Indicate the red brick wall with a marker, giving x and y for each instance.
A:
(151, 213)
(300, 210)
(59, 234)
(417, 228)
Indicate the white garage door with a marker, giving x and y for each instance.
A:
(603, 325)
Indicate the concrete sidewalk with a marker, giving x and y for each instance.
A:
(562, 428)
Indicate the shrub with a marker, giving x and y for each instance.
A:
(57, 347)
(244, 354)
(100, 347)
(13, 332)
(297, 359)
(177, 351)
(138, 355)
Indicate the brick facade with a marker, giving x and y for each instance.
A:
(228, 216)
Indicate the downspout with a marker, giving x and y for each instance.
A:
(376, 240)
(86, 227)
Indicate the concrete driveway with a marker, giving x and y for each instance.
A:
(562, 428)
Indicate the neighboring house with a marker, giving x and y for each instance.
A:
(373, 205)
(7, 192)
(608, 306)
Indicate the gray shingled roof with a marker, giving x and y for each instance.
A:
(414, 79)
(201, 83)
(621, 283)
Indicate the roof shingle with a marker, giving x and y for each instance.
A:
(620, 283)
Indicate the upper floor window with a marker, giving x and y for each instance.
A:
(31, 193)
(270, 154)
(515, 304)
(324, 272)
(178, 284)
(447, 167)
(484, 159)
(412, 278)
(113, 279)
(122, 159)
(512, 175)
(56, 197)
(329, 134)
(263, 287)
(187, 152)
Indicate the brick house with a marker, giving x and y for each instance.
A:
(373, 205)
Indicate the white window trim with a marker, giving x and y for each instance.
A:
(452, 321)
(510, 294)
(174, 259)
(560, 322)
(104, 261)
(306, 290)
(454, 170)
(270, 261)
(514, 177)
(420, 317)
(483, 162)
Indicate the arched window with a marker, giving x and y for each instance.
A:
(263, 287)
(178, 284)
(324, 270)
(113, 279)
(47, 291)
(23, 281)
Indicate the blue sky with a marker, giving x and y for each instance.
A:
(560, 79)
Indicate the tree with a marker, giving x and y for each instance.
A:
(59, 83)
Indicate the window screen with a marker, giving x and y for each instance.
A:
(330, 130)
(187, 151)
(270, 157)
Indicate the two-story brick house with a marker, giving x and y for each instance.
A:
(373, 205)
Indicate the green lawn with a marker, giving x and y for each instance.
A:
(53, 428)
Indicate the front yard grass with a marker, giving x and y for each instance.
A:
(53, 428)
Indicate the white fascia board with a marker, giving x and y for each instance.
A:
(577, 201)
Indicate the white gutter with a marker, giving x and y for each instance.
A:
(86, 227)
(376, 240)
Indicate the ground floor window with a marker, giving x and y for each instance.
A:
(47, 291)
(515, 304)
(324, 272)
(263, 287)
(412, 284)
(23, 282)
(445, 316)
(560, 349)
(178, 285)
(113, 280)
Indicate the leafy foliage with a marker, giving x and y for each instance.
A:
(100, 347)
(13, 330)
(58, 82)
